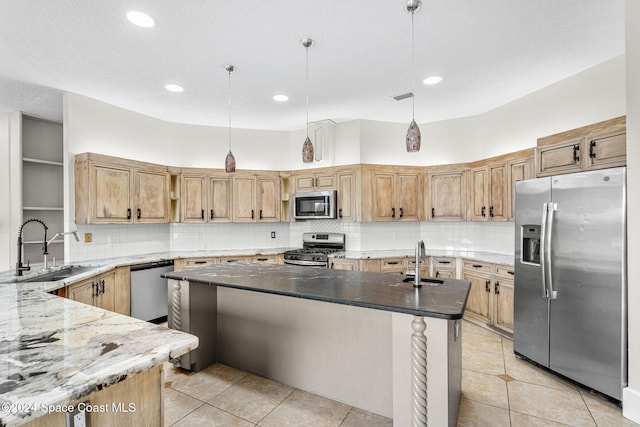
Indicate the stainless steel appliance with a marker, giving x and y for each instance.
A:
(315, 249)
(149, 291)
(570, 277)
(315, 205)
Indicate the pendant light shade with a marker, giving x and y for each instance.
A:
(230, 161)
(307, 147)
(414, 138)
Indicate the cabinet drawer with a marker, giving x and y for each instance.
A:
(199, 262)
(442, 263)
(477, 266)
(394, 265)
(505, 271)
(265, 259)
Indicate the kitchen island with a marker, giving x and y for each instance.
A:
(56, 354)
(370, 340)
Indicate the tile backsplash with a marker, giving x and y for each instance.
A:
(121, 240)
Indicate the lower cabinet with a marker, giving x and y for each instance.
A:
(110, 291)
(444, 267)
(186, 263)
(491, 295)
(344, 264)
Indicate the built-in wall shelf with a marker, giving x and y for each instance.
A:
(42, 162)
(41, 208)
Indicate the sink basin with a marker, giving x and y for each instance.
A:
(54, 276)
(433, 282)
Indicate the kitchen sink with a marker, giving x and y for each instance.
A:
(54, 276)
(433, 282)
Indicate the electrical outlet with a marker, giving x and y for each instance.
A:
(273, 234)
(88, 237)
(77, 417)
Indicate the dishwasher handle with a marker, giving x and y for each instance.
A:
(150, 265)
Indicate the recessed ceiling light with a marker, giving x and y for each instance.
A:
(173, 87)
(433, 80)
(280, 98)
(140, 19)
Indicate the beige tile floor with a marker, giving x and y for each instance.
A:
(497, 390)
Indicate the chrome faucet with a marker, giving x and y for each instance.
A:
(19, 266)
(421, 255)
(75, 234)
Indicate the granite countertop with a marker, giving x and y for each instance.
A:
(361, 289)
(475, 255)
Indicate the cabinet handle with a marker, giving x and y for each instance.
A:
(139, 213)
(393, 262)
(393, 212)
(433, 212)
(129, 213)
(200, 262)
(252, 214)
(482, 212)
(260, 213)
(340, 213)
(491, 211)
(497, 291)
(444, 262)
(437, 274)
(576, 157)
(202, 213)
(102, 286)
(211, 215)
(477, 265)
(94, 289)
(262, 259)
(401, 213)
(511, 273)
(592, 146)
(487, 285)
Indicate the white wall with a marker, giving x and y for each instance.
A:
(5, 190)
(631, 397)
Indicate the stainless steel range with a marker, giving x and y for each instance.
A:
(315, 249)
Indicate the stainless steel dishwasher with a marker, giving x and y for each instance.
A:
(149, 291)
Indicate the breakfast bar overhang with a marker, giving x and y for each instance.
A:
(370, 340)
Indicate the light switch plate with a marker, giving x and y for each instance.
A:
(88, 237)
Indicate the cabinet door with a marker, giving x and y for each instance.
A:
(325, 182)
(347, 196)
(112, 191)
(193, 199)
(305, 183)
(607, 151)
(503, 317)
(268, 199)
(497, 197)
(444, 273)
(219, 199)
(478, 303)
(152, 196)
(479, 181)
(408, 200)
(383, 197)
(516, 171)
(343, 264)
(560, 158)
(83, 292)
(106, 284)
(446, 196)
(244, 204)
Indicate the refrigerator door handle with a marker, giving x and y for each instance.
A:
(553, 207)
(543, 249)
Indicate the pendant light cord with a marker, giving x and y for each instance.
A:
(307, 90)
(413, 66)
(230, 70)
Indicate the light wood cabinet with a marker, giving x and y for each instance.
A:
(489, 193)
(503, 290)
(517, 170)
(596, 146)
(109, 290)
(479, 302)
(206, 198)
(344, 264)
(392, 194)
(348, 195)
(444, 267)
(256, 198)
(446, 193)
(111, 190)
(315, 182)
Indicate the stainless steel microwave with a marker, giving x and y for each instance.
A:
(315, 205)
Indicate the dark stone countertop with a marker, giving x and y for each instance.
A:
(361, 289)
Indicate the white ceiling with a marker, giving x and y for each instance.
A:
(489, 52)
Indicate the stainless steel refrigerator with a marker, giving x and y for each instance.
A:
(570, 277)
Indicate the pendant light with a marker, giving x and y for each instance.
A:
(413, 133)
(230, 161)
(307, 147)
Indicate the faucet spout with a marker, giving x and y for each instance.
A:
(421, 255)
(19, 266)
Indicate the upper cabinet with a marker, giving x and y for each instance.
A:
(348, 194)
(596, 146)
(206, 197)
(518, 169)
(391, 193)
(315, 181)
(488, 193)
(256, 197)
(111, 190)
(445, 193)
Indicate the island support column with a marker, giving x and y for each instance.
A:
(418, 372)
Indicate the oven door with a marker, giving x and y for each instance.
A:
(316, 205)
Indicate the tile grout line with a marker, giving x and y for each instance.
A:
(274, 408)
